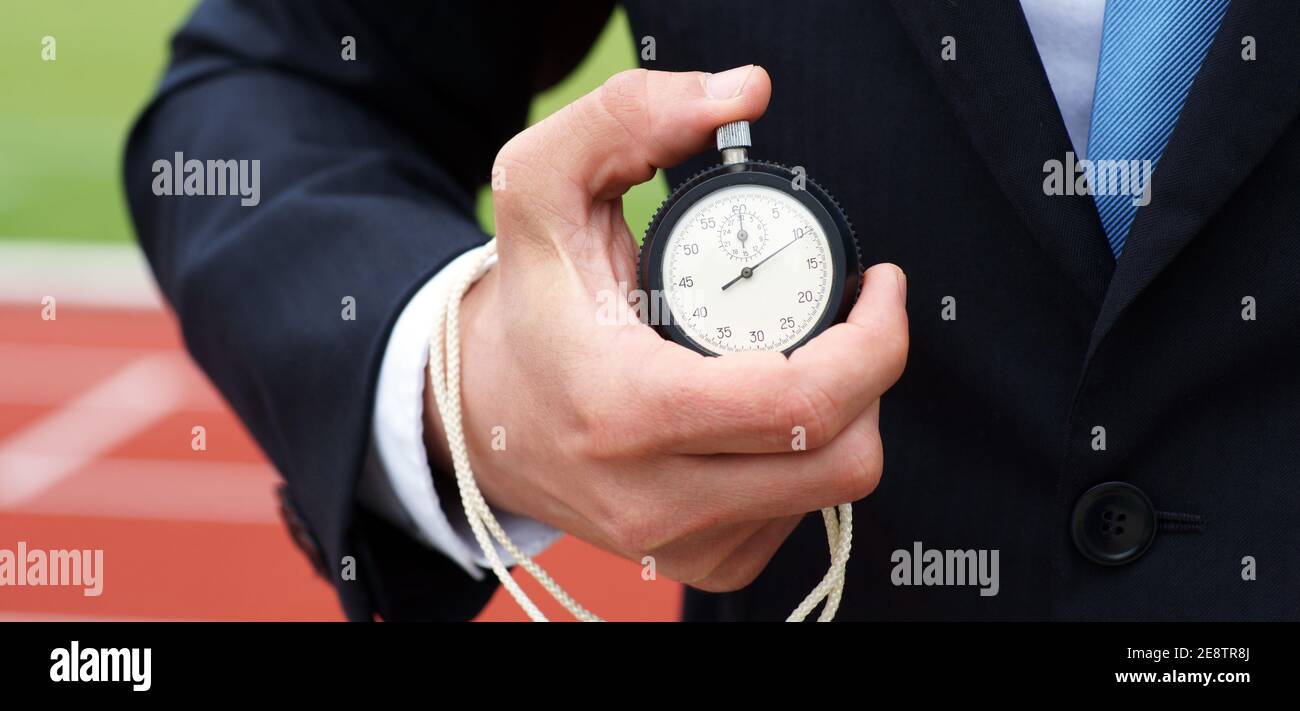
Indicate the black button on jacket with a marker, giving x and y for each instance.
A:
(1113, 523)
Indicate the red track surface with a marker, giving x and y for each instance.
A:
(185, 534)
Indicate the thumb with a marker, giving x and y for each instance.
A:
(596, 148)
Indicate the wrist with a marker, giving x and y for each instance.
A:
(471, 331)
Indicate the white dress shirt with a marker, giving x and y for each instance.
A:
(1068, 36)
(398, 481)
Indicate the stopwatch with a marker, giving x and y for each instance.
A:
(748, 256)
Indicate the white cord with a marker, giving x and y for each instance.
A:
(444, 377)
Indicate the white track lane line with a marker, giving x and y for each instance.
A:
(190, 491)
(19, 616)
(100, 275)
(37, 457)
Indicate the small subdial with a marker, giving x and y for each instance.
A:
(743, 235)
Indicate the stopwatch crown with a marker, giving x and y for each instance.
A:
(734, 135)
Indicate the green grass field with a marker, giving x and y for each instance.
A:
(63, 123)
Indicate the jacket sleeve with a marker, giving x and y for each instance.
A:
(367, 171)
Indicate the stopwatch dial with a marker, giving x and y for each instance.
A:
(767, 301)
(743, 235)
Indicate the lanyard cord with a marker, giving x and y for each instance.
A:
(444, 376)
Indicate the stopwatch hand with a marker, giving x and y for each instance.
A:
(748, 272)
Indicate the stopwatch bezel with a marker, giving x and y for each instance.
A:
(846, 267)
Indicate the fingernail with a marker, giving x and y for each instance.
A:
(728, 84)
(902, 286)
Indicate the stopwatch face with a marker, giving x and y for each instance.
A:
(747, 268)
(744, 262)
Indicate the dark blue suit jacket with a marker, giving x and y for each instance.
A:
(368, 169)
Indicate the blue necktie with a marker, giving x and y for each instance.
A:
(1151, 51)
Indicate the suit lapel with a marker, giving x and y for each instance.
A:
(1000, 91)
(1234, 113)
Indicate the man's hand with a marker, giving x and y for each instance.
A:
(612, 433)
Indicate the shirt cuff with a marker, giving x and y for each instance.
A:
(397, 482)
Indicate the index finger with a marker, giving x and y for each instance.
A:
(758, 402)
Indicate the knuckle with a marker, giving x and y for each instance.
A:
(711, 407)
(595, 439)
(694, 567)
(732, 575)
(891, 342)
(623, 95)
(633, 530)
(513, 153)
(509, 171)
(813, 410)
(897, 347)
(859, 466)
(607, 434)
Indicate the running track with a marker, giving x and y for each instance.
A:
(96, 413)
